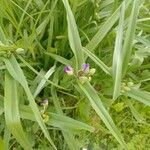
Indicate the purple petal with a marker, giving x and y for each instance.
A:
(85, 67)
(68, 70)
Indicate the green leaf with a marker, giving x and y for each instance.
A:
(74, 38)
(7, 138)
(40, 75)
(135, 113)
(43, 81)
(67, 123)
(102, 32)
(139, 95)
(97, 105)
(56, 120)
(97, 61)
(12, 116)
(59, 58)
(128, 41)
(117, 57)
(16, 72)
(69, 137)
(143, 40)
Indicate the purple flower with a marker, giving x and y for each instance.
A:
(68, 70)
(85, 67)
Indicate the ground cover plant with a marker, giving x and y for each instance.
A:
(75, 74)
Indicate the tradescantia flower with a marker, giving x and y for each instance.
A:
(84, 70)
(85, 67)
(84, 74)
(69, 70)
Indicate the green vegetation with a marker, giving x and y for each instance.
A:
(75, 74)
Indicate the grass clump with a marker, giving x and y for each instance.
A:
(74, 74)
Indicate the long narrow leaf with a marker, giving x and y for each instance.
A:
(7, 138)
(16, 72)
(97, 105)
(139, 95)
(102, 32)
(97, 61)
(43, 81)
(135, 113)
(56, 120)
(59, 58)
(72, 144)
(74, 38)
(31, 68)
(128, 42)
(117, 57)
(12, 116)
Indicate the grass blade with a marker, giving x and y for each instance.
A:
(128, 42)
(97, 61)
(16, 72)
(74, 38)
(7, 138)
(36, 72)
(117, 57)
(57, 120)
(12, 116)
(43, 81)
(67, 123)
(59, 58)
(135, 113)
(97, 105)
(102, 32)
(139, 95)
(70, 140)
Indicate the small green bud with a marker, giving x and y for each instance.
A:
(20, 51)
(130, 84)
(89, 78)
(126, 88)
(92, 71)
(45, 117)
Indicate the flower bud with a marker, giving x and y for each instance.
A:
(20, 51)
(92, 71)
(44, 102)
(130, 84)
(45, 117)
(68, 70)
(85, 67)
(89, 78)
